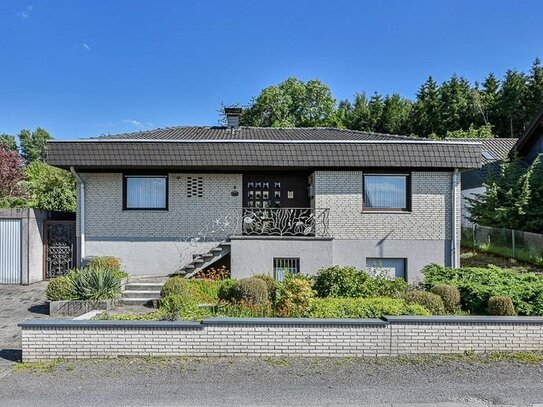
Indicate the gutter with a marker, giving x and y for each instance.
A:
(81, 213)
(454, 209)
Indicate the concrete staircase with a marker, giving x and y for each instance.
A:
(201, 261)
(142, 290)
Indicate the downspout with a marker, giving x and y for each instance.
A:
(81, 213)
(454, 248)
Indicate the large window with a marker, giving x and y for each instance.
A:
(282, 265)
(387, 192)
(145, 192)
(393, 268)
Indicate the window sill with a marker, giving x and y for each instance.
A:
(384, 211)
(144, 210)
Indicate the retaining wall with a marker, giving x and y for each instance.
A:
(392, 336)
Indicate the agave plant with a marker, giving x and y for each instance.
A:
(94, 283)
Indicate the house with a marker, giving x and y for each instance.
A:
(493, 152)
(530, 144)
(265, 200)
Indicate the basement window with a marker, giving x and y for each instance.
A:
(143, 192)
(282, 265)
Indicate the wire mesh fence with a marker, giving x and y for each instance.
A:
(516, 244)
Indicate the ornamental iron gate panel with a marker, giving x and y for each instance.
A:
(59, 248)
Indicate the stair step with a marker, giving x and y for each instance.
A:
(138, 301)
(143, 286)
(140, 294)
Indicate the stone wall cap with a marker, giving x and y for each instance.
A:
(292, 321)
(71, 323)
(462, 319)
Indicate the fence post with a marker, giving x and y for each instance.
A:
(474, 225)
(513, 241)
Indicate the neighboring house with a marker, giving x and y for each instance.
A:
(264, 200)
(494, 151)
(530, 144)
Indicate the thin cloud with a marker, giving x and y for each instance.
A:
(85, 46)
(133, 122)
(26, 12)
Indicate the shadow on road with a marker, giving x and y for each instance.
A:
(11, 355)
(42, 309)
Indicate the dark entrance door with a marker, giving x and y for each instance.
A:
(59, 248)
(275, 191)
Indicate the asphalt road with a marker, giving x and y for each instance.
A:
(272, 381)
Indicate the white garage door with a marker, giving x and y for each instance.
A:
(10, 251)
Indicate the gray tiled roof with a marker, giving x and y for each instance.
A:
(260, 148)
(499, 149)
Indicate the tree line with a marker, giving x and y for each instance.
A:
(455, 108)
(26, 180)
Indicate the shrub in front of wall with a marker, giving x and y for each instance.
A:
(295, 295)
(95, 284)
(432, 302)
(176, 285)
(478, 284)
(501, 305)
(270, 283)
(342, 282)
(60, 289)
(227, 291)
(251, 291)
(374, 307)
(205, 291)
(450, 296)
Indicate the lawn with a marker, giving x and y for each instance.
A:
(473, 258)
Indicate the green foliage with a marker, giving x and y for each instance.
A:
(350, 282)
(428, 300)
(250, 291)
(477, 285)
(60, 289)
(176, 306)
(205, 291)
(295, 295)
(472, 132)
(227, 291)
(176, 285)
(108, 263)
(94, 283)
(270, 283)
(34, 144)
(50, 188)
(501, 305)
(374, 307)
(11, 192)
(8, 142)
(244, 310)
(450, 296)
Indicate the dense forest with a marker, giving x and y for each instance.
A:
(455, 108)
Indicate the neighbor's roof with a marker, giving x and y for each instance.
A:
(253, 147)
(493, 152)
(526, 140)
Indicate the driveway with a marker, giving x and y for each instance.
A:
(17, 303)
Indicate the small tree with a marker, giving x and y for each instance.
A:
(11, 192)
(34, 144)
(49, 187)
(8, 142)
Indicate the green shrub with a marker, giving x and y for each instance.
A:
(362, 308)
(250, 291)
(176, 285)
(501, 305)
(95, 284)
(477, 285)
(351, 282)
(450, 296)
(432, 302)
(205, 291)
(227, 291)
(172, 305)
(271, 284)
(244, 310)
(60, 289)
(109, 263)
(295, 294)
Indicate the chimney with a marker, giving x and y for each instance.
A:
(232, 117)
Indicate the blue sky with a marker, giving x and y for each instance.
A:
(85, 68)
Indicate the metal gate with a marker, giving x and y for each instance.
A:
(11, 251)
(59, 248)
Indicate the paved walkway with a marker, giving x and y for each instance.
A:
(17, 303)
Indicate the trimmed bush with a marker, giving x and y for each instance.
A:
(226, 291)
(477, 285)
(270, 283)
(60, 289)
(351, 282)
(109, 263)
(501, 305)
(176, 285)
(432, 302)
(450, 296)
(362, 308)
(250, 291)
(205, 291)
(295, 294)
